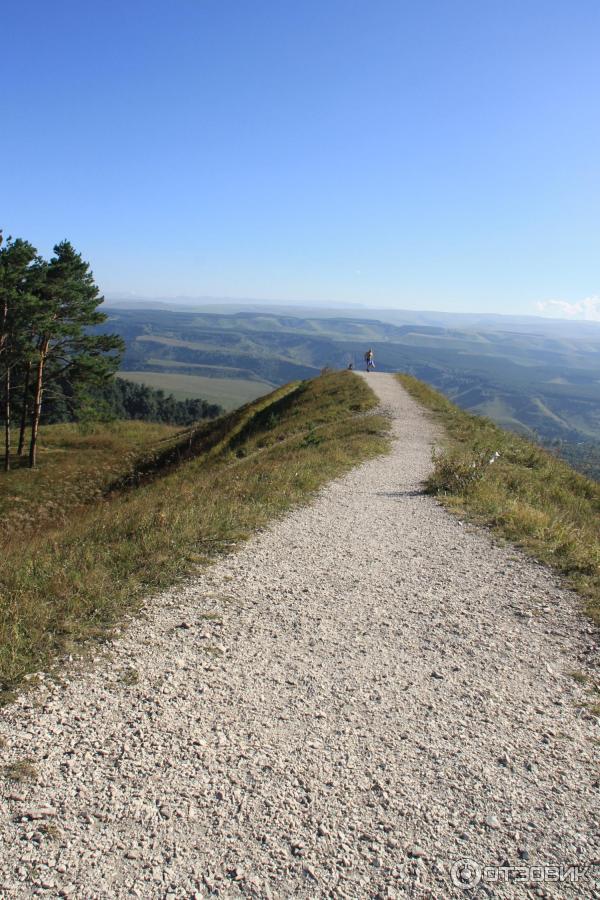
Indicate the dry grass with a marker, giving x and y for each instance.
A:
(50, 830)
(21, 771)
(74, 469)
(129, 677)
(527, 495)
(69, 585)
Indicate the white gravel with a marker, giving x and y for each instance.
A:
(362, 695)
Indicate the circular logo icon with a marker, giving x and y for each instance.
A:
(465, 873)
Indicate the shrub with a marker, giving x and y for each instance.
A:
(457, 471)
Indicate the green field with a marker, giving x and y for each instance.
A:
(227, 392)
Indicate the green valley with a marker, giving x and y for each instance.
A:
(538, 377)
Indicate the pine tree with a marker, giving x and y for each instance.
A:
(65, 347)
(19, 265)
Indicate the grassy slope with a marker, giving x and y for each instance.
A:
(73, 584)
(74, 468)
(527, 495)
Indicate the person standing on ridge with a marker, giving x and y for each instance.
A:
(369, 360)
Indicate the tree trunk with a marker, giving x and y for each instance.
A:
(37, 405)
(3, 331)
(7, 420)
(24, 410)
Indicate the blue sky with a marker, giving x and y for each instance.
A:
(435, 155)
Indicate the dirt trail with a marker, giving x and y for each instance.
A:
(362, 695)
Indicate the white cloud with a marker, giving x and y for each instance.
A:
(587, 310)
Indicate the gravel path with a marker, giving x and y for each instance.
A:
(362, 695)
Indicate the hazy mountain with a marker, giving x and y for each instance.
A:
(470, 321)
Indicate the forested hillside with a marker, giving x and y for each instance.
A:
(116, 398)
(139, 401)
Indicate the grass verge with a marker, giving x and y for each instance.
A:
(526, 494)
(72, 584)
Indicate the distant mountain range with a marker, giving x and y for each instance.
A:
(538, 376)
(483, 321)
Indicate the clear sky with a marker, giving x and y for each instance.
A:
(439, 154)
